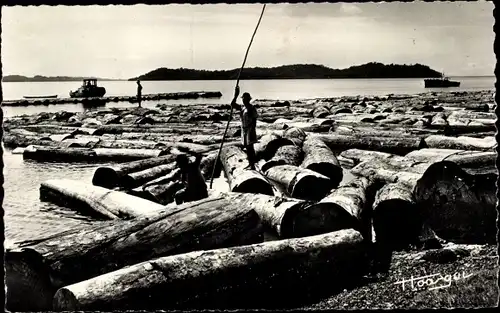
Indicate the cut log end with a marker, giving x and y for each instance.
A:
(105, 177)
(65, 300)
(330, 170)
(254, 185)
(28, 281)
(322, 218)
(396, 222)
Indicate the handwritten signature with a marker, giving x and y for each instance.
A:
(433, 281)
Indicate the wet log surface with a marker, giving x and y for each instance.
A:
(35, 270)
(176, 281)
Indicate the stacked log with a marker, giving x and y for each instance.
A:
(285, 155)
(234, 162)
(319, 158)
(35, 270)
(299, 182)
(268, 145)
(335, 256)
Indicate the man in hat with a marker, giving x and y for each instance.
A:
(194, 186)
(139, 92)
(248, 115)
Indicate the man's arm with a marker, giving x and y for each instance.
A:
(233, 103)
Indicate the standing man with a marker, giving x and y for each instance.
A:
(248, 115)
(139, 92)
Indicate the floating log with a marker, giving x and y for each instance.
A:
(462, 142)
(288, 154)
(299, 182)
(207, 165)
(458, 203)
(59, 154)
(353, 203)
(120, 155)
(11, 140)
(234, 161)
(96, 200)
(113, 176)
(319, 158)
(394, 145)
(337, 257)
(352, 157)
(36, 269)
(268, 145)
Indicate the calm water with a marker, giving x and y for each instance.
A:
(28, 218)
(288, 89)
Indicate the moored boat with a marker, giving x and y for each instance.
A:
(441, 82)
(89, 89)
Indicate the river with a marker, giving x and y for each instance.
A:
(28, 218)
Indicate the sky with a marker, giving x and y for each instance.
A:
(128, 41)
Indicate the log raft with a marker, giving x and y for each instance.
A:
(146, 97)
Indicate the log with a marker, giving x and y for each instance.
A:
(288, 154)
(132, 180)
(120, 155)
(295, 135)
(299, 182)
(352, 157)
(394, 145)
(319, 158)
(396, 218)
(234, 161)
(12, 140)
(96, 200)
(284, 264)
(462, 142)
(112, 176)
(292, 218)
(59, 154)
(207, 165)
(353, 204)
(36, 269)
(459, 204)
(268, 145)
(161, 190)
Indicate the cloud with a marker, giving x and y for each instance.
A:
(350, 8)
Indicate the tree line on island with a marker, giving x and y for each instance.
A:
(296, 71)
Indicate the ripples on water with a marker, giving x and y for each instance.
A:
(26, 217)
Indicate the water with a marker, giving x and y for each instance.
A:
(284, 89)
(28, 218)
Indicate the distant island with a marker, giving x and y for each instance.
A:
(296, 71)
(38, 78)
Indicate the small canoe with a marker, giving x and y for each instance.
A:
(40, 97)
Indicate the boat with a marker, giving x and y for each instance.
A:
(40, 97)
(89, 89)
(442, 82)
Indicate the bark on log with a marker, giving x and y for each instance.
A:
(458, 203)
(319, 158)
(462, 142)
(268, 145)
(295, 135)
(111, 177)
(135, 179)
(121, 155)
(234, 161)
(283, 265)
(285, 155)
(353, 204)
(383, 144)
(207, 165)
(300, 183)
(97, 200)
(35, 270)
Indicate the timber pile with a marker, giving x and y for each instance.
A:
(341, 183)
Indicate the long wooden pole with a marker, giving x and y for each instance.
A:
(237, 84)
